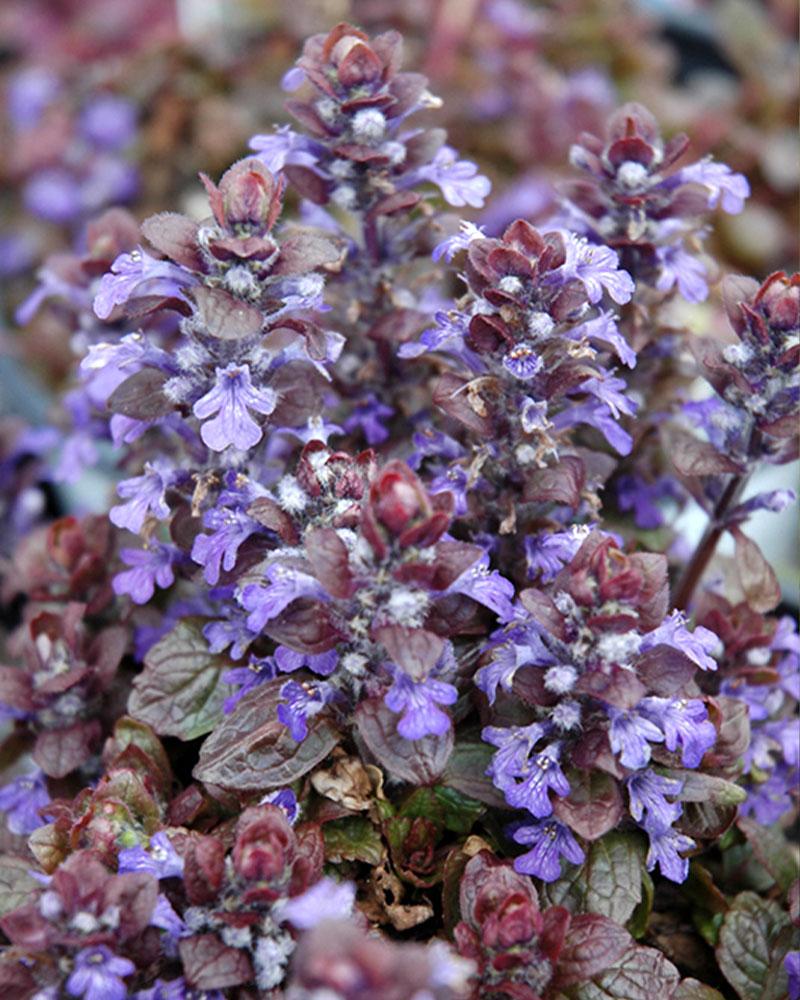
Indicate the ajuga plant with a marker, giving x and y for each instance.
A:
(443, 718)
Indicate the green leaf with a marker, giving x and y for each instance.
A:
(179, 692)
(16, 885)
(640, 917)
(353, 838)
(466, 772)
(772, 849)
(640, 974)
(252, 749)
(444, 806)
(752, 947)
(609, 882)
(699, 787)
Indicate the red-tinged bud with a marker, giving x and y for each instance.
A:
(265, 846)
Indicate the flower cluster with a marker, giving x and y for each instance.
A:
(369, 600)
(371, 560)
(760, 666)
(531, 353)
(639, 202)
(608, 676)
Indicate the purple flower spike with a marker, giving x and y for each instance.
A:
(21, 800)
(664, 852)
(148, 567)
(550, 841)
(145, 496)
(160, 858)
(417, 700)
(630, 735)
(231, 398)
(98, 975)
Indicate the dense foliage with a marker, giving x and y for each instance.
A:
(386, 674)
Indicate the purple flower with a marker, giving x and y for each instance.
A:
(550, 841)
(231, 398)
(514, 744)
(487, 588)
(323, 664)
(286, 584)
(325, 900)
(109, 121)
(231, 632)
(160, 858)
(29, 92)
(630, 735)
(664, 848)
(548, 554)
(724, 186)
(285, 799)
(98, 975)
(685, 724)
(417, 700)
(281, 147)
(448, 248)
(648, 805)
(258, 672)
(543, 773)
(458, 180)
(696, 645)
(53, 194)
(792, 965)
(608, 390)
(507, 659)
(230, 529)
(770, 800)
(682, 269)
(366, 417)
(166, 919)
(604, 328)
(145, 495)
(301, 702)
(522, 361)
(598, 415)
(21, 800)
(636, 494)
(136, 274)
(596, 267)
(150, 566)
